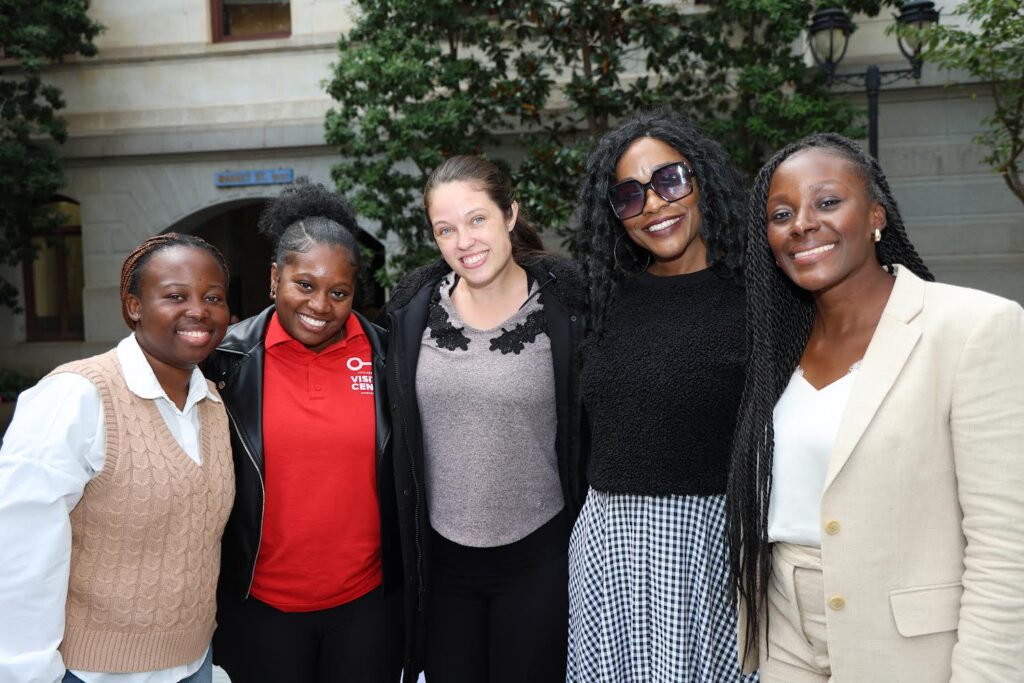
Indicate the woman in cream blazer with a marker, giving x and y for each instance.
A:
(877, 492)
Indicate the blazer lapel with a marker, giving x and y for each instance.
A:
(890, 347)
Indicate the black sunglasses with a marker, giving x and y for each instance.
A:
(671, 182)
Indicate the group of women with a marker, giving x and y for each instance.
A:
(734, 438)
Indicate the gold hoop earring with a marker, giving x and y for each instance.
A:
(878, 236)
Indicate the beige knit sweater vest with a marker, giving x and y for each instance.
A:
(145, 537)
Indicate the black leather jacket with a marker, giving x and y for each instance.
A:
(564, 311)
(236, 367)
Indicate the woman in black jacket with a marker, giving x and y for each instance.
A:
(309, 568)
(481, 375)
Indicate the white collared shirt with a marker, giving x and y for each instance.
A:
(54, 446)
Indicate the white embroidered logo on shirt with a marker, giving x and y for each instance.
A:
(361, 382)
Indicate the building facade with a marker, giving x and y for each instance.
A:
(196, 112)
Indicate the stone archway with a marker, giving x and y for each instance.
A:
(231, 227)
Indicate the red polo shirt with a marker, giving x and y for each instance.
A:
(321, 521)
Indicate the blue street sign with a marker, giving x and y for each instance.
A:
(261, 176)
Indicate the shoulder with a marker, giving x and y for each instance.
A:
(95, 369)
(961, 308)
(959, 323)
(566, 279)
(411, 284)
(375, 334)
(243, 336)
(729, 284)
(240, 341)
(60, 387)
(942, 296)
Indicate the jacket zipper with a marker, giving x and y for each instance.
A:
(263, 499)
(415, 479)
(380, 461)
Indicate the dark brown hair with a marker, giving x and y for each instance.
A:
(488, 178)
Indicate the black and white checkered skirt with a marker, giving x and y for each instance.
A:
(648, 592)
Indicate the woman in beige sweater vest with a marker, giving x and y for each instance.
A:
(115, 485)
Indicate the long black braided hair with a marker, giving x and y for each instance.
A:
(608, 260)
(779, 318)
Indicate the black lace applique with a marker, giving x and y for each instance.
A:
(446, 335)
(526, 332)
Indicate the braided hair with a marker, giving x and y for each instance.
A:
(305, 215)
(134, 266)
(608, 260)
(779, 318)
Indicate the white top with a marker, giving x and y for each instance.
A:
(54, 446)
(806, 422)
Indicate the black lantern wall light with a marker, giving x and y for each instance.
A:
(830, 33)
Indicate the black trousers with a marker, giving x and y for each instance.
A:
(500, 614)
(359, 641)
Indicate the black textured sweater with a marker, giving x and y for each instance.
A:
(662, 386)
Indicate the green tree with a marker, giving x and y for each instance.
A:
(991, 49)
(33, 33)
(759, 93)
(417, 82)
(732, 67)
(611, 58)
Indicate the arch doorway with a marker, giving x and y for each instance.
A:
(231, 227)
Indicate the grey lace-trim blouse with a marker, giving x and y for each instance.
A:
(487, 405)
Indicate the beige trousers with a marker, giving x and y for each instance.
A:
(795, 649)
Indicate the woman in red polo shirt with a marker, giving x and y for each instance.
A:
(305, 590)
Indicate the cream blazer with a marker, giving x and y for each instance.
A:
(923, 508)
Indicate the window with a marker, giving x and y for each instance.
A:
(54, 280)
(251, 19)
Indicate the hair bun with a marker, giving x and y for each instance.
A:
(303, 200)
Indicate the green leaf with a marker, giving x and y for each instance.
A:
(34, 34)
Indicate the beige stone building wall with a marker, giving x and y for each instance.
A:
(155, 116)
(163, 107)
(965, 222)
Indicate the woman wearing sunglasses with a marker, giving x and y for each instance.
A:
(662, 376)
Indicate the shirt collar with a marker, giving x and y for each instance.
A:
(141, 380)
(276, 334)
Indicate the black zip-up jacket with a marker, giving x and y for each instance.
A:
(564, 311)
(236, 367)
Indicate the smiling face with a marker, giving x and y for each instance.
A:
(313, 294)
(670, 231)
(180, 313)
(471, 231)
(821, 221)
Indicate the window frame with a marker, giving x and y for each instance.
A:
(64, 333)
(217, 18)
